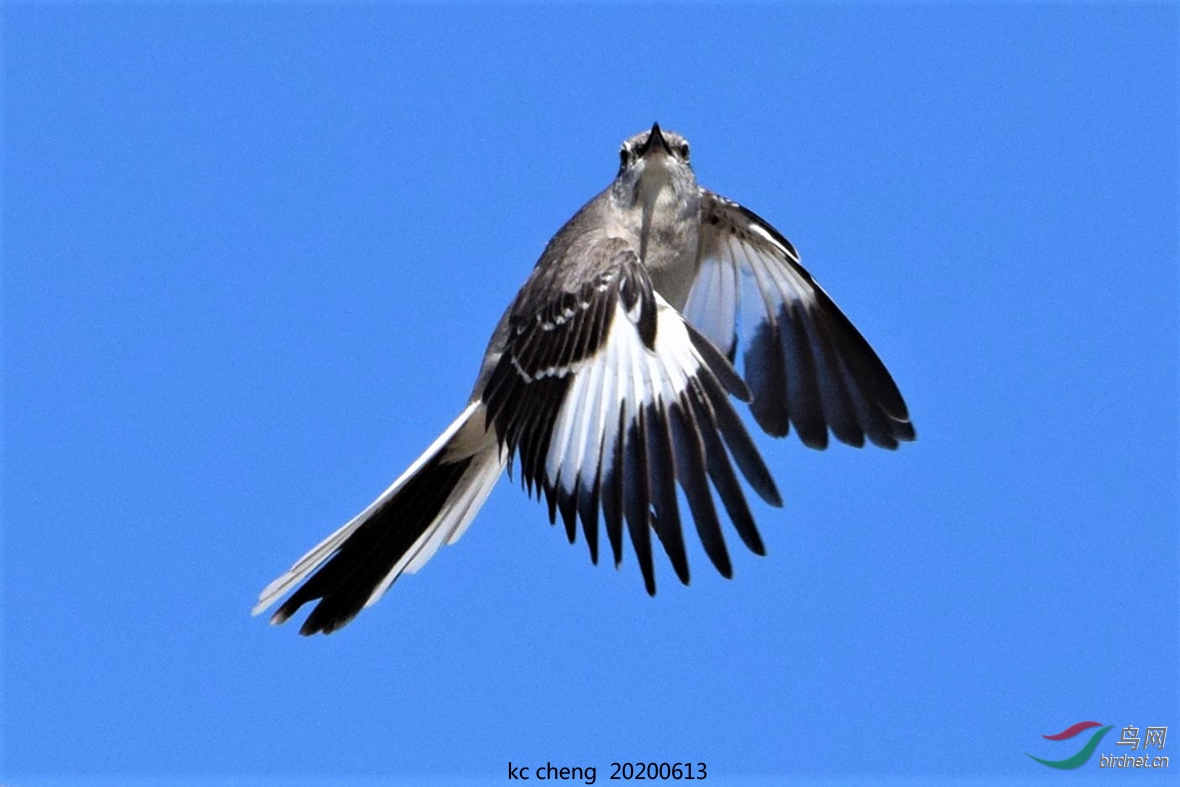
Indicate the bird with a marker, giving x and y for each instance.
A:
(610, 382)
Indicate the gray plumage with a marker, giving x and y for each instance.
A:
(607, 384)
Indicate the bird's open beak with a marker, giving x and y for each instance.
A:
(655, 142)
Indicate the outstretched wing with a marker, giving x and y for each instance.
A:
(805, 363)
(607, 398)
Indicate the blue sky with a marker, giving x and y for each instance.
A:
(252, 255)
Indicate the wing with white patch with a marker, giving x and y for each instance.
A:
(804, 361)
(609, 399)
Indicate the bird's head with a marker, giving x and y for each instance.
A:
(654, 145)
(653, 159)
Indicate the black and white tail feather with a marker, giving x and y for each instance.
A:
(611, 404)
(430, 504)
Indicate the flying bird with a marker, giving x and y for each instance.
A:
(608, 383)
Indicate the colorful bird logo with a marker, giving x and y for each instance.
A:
(1079, 759)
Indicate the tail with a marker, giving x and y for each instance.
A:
(432, 503)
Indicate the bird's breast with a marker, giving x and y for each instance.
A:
(669, 246)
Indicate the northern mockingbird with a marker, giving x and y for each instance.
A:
(607, 383)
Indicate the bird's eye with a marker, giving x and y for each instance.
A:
(624, 156)
(683, 150)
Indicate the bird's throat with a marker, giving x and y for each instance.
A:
(655, 203)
